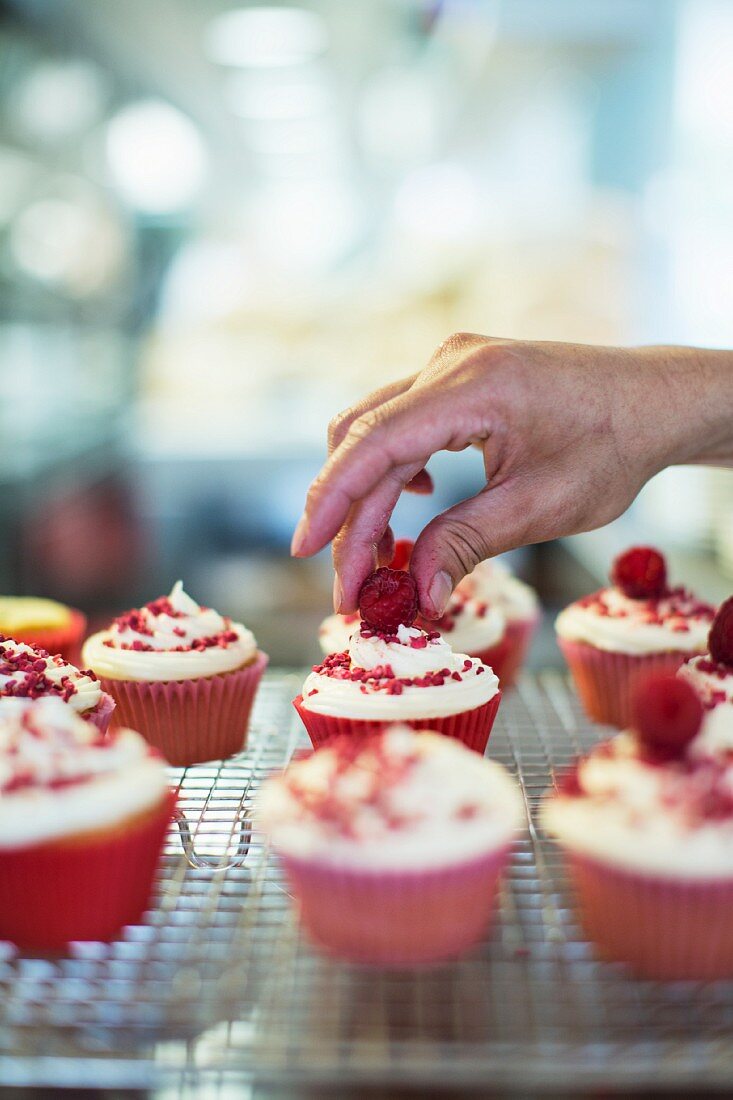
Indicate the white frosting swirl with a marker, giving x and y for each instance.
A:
(714, 685)
(631, 626)
(647, 817)
(475, 618)
(474, 683)
(410, 801)
(165, 643)
(59, 776)
(59, 676)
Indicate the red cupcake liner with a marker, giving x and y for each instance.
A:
(605, 681)
(663, 928)
(507, 656)
(64, 640)
(81, 888)
(101, 715)
(397, 918)
(470, 727)
(190, 721)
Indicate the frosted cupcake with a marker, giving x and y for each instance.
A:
(395, 672)
(44, 624)
(646, 824)
(182, 674)
(712, 678)
(82, 821)
(30, 673)
(394, 845)
(491, 615)
(637, 626)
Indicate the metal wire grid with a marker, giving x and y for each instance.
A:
(219, 985)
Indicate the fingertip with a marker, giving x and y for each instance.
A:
(439, 592)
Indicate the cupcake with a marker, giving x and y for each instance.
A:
(44, 624)
(393, 671)
(30, 673)
(82, 822)
(712, 678)
(183, 675)
(393, 845)
(638, 625)
(491, 615)
(645, 821)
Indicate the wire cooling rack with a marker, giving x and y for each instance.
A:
(218, 985)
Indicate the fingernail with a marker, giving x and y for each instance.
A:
(298, 540)
(338, 596)
(439, 592)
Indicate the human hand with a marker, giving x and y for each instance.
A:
(569, 434)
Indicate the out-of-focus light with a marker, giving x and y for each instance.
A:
(58, 99)
(399, 116)
(207, 280)
(266, 36)
(440, 202)
(156, 157)
(305, 225)
(278, 96)
(17, 172)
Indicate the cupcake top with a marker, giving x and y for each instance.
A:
(639, 616)
(410, 674)
(654, 799)
(171, 638)
(28, 613)
(59, 776)
(27, 672)
(475, 617)
(397, 800)
(712, 678)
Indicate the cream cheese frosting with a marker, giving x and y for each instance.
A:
(59, 776)
(673, 819)
(476, 616)
(171, 638)
(612, 621)
(413, 674)
(29, 672)
(400, 800)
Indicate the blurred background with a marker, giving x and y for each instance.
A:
(221, 223)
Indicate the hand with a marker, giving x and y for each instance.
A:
(569, 435)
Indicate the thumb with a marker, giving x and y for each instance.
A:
(455, 542)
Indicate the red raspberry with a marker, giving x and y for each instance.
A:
(402, 554)
(640, 573)
(388, 599)
(720, 639)
(666, 714)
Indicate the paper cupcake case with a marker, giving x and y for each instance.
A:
(471, 727)
(81, 888)
(101, 715)
(396, 918)
(507, 656)
(190, 721)
(605, 681)
(663, 928)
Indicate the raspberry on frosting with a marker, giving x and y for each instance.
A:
(640, 573)
(720, 640)
(388, 600)
(667, 715)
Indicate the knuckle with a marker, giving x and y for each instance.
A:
(466, 543)
(365, 427)
(338, 425)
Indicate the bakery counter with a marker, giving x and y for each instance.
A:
(219, 988)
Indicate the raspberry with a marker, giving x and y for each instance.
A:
(402, 554)
(388, 599)
(640, 573)
(666, 714)
(720, 639)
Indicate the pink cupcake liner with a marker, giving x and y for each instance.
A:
(190, 721)
(663, 928)
(81, 888)
(397, 918)
(470, 727)
(605, 681)
(101, 715)
(507, 656)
